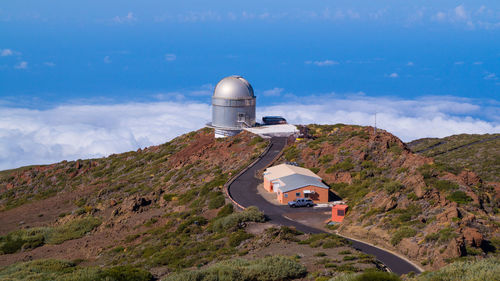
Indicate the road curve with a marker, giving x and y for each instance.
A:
(243, 190)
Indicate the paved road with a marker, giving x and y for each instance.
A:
(244, 191)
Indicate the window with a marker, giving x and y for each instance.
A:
(241, 117)
(286, 195)
(340, 213)
(297, 194)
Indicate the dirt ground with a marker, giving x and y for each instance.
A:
(40, 213)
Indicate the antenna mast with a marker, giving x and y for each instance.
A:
(375, 127)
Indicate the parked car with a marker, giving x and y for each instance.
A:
(301, 202)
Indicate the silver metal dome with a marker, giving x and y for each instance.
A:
(233, 106)
(233, 88)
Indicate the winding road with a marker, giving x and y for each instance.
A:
(243, 190)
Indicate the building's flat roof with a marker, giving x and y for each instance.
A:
(274, 130)
(297, 181)
(340, 207)
(284, 170)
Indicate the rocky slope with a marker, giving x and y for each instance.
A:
(399, 199)
(148, 213)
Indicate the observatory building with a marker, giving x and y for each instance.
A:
(233, 106)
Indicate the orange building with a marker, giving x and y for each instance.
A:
(338, 212)
(279, 171)
(292, 182)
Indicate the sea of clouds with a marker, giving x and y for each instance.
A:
(69, 132)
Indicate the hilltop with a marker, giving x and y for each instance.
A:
(477, 153)
(149, 213)
(162, 210)
(399, 199)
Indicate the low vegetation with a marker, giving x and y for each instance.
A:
(69, 271)
(478, 153)
(272, 268)
(367, 276)
(473, 270)
(25, 239)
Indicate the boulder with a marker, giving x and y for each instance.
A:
(448, 214)
(473, 237)
(469, 178)
(134, 204)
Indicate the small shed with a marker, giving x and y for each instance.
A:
(338, 212)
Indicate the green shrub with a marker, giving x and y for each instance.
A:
(432, 237)
(392, 187)
(69, 271)
(394, 148)
(267, 269)
(168, 196)
(327, 158)
(125, 273)
(237, 237)
(475, 270)
(314, 170)
(343, 166)
(216, 200)
(24, 239)
(459, 196)
(367, 276)
(412, 196)
(401, 233)
(73, 230)
(291, 153)
(444, 185)
(284, 233)
(225, 211)
(35, 237)
(349, 258)
(446, 234)
(232, 220)
(255, 140)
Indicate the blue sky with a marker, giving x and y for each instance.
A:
(441, 57)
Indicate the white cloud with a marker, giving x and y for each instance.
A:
(407, 119)
(322, 63)
(29, 136)
(440, 16)
(82, 131)
(459, 63)
(49, 64)
(410, 63)
(129, 18)
(460, 12)
(107, 59)
(491, 76)
(170, 57)
(6, 52)
(275, 92)
(21, 65)
(393, 75)
(478, 62)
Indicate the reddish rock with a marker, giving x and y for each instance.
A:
(469, 178)
(112, 202)
(448, 214)
(473, 237)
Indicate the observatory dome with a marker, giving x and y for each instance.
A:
(233, 88)
(233, 106)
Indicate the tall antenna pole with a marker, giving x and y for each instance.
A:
(375, 127)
